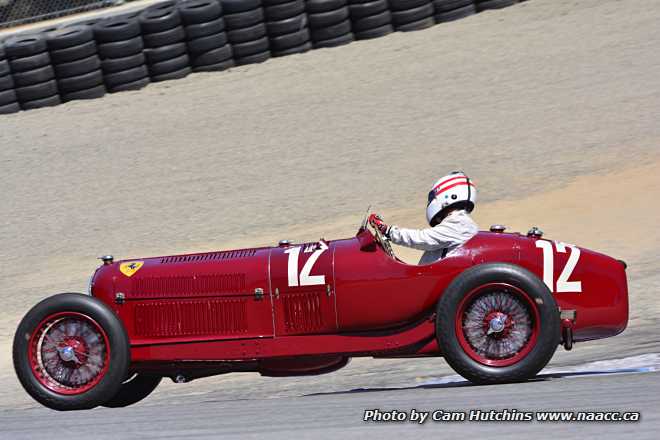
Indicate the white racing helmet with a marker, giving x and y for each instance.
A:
(452, 189)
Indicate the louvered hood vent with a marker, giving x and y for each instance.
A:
(209, 256)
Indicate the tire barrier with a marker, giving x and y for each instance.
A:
(164, 42)
(32, 72)
(171, 39)
(412, 15)
(370, 18)
(329, 22)
(450, 10)
(75, 63)
(121, 51)
(287, 27)
(207, 42)
(246, 30)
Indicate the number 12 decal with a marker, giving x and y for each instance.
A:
(563, 285)
(305, 278)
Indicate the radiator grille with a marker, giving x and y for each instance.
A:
(224, 255)
(302, 311)
(191, 318)
(187, 286)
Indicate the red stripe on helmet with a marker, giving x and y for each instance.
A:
(453, 185)
(451, 179)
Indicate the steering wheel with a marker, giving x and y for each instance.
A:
(380, 238)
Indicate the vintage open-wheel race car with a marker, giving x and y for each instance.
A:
(496, 309)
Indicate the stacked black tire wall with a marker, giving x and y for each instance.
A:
(8, 99)
(207, 42)
(450, 10)
(329, 22)
(370, 18)
(246, 30)
(287, 27)
(482, 5)
(164, 42)
(76, 63)
(121, 51)
(412, 15)
(33, 75)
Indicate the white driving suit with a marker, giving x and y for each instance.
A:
(457, 228)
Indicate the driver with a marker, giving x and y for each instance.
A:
(450, 201)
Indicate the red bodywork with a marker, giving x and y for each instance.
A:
(257, 310)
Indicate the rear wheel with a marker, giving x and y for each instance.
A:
(136, 388)
(497, 323)
(71, 352)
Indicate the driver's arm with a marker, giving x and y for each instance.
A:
(440, 236)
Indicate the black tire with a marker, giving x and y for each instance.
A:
(36, 76)
(314, 6)
(36, 91)
(168, 66)
(165, 53)
(359, 10)
(404, 5)
(456, 14)
(49, 101)
(74, 53)
(91, 93)
(4, 67)
(293, 50)
(80, 82)
(8, 97)
(68, 37)
(118, 359)
(20, 46)
(6, 83)
(113, 80)
(540, 298)
(78, 67)
(451, 5)
(330, 32)
(247, 34)
(372, 21)
(483, 5)
(159, 17)
(412, 15)
(205, 29)
(165, 38)
(326, 19)
(29, 63)
(374, 32)
(204, 44)
(337, 41)
(253, 59)
(199, 11)
(212, 57)
(418, 25)
(288, 41)
(177, 74)
(234, 6)
(120, 49)
(283, 11)
(135, 389)
(244, 19)
(112, 65)
(248, 48)
(128, 86)
(12, 107)
(281, 27)
(217, 67)
(116, 29)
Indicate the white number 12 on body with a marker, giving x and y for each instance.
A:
(563, 285)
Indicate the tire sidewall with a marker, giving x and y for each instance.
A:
(549, 325)
(117, 338)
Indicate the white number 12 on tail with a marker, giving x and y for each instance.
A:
(305, 278)
(563, 285)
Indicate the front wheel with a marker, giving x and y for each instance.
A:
(71, 352)
(497, 323)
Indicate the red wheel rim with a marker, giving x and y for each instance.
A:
(69, 353)
(497, 324)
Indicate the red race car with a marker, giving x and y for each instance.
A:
(496, 309)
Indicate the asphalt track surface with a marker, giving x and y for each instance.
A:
(340, 414)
